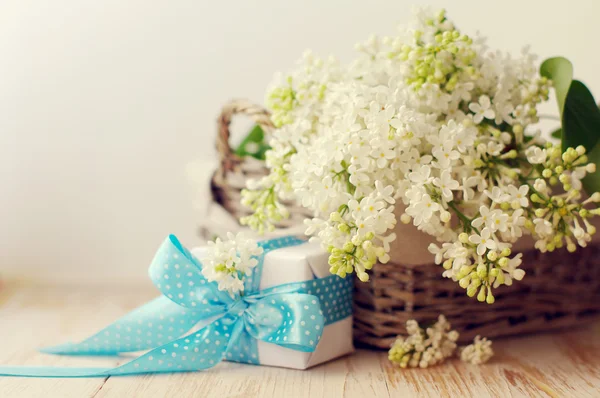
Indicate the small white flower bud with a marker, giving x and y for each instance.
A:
(445, 216)
(590, 168)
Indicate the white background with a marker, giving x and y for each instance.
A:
(103, 104)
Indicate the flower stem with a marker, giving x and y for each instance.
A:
(465, 221)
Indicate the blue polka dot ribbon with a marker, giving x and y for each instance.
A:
(291, 315)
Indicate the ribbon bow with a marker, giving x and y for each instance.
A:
(292, 315)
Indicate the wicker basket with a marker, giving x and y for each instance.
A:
(560, 289)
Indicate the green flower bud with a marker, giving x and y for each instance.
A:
(540, 212)
(584, 213)
(481, 295)
(447, 264)
(500, 277)
(482, 271)
(345, 228)
(464, 282)
(464, 270)
(360, 252)
(518, 129)
(335, 217)
(363, 276)
(471, 291)
(563, 178)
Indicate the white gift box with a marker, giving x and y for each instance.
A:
(297, 264)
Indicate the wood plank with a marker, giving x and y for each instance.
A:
(545, 365)
(355, 376)
(32, 317)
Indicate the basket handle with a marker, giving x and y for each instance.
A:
(260, 115)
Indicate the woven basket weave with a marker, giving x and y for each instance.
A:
(560, 289)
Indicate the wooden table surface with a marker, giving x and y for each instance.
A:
(565, 364)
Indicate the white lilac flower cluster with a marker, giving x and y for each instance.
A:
(477, 353)
(424, 347)
(429, 127)
(228, 262)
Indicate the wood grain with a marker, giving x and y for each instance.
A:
(565, 364)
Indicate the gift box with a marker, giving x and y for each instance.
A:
(306, 263)
(267, 303)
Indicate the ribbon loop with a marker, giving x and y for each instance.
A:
(178, 275)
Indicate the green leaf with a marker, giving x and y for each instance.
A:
(581, 126)
(560, 71)
(253, 144)
(580, 115)
(557, 133)
(581, 118)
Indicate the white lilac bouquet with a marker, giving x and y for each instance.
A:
(432, 128)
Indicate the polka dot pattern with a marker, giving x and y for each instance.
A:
(334, 294)
(243, 347)
(178, 275)
(293, 320)
(197, 351)
(151, 325)
(291, 315)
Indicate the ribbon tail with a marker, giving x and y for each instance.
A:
(150, 325)
(26, 371)
(197, 351)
